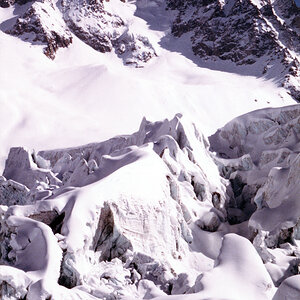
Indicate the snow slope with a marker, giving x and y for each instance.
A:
(162, 212)
(84, 96)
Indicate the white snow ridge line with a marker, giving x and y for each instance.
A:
(155, 214)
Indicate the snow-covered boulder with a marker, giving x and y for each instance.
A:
(289, 289)
(42, 23)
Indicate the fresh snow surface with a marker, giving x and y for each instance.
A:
(239, 274)
(84, 96)
(163, 213)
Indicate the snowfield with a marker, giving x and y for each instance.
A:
(84, 96)
(200, 202)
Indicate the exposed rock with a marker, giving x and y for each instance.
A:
(13, 193)
(13, 283)
(6, 3)
(108, 239)
(105, 32)
(50, 218)
(47, 23)
(264, 34)
(209, 222)
(42, 23)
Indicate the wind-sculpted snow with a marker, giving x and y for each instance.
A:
(271, 139)
(238, 259)
(125, 204)
(155, 214)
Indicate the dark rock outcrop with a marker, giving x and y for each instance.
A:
(265, 37)
(42, 24)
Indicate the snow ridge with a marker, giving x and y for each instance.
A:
(125, 218)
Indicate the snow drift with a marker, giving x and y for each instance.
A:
(154, 214)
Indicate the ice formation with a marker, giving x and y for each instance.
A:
(160, 213)
(163, 213)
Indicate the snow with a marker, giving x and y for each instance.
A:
(148, 214)
(16, 279)
(45, 109)
(130, 218)
(244, 270)
(289, 289)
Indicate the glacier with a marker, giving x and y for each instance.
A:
(164, 212)
(183, 208)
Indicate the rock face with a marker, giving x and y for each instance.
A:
(263, 35)
(49, 23)
(260, 38)
(106, 32)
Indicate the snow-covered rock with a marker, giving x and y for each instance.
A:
(105, 31)
(42, 23)
(14, 283)
(130, 200)
(51, 24)
(261, 35)
(289, 289)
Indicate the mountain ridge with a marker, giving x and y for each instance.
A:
(262, 36)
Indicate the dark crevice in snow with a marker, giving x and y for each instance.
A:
(67, 276)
